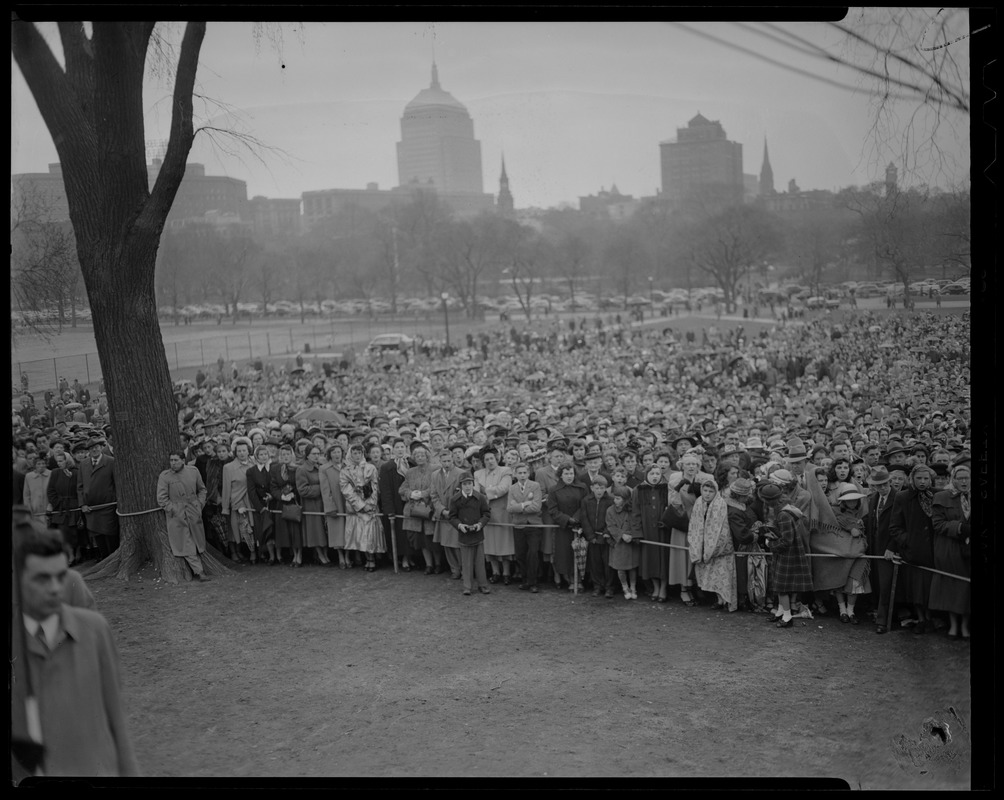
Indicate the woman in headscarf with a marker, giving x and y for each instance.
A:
(685, 488)
(416, 491)
(649, 500)
(493, 482)
(235, 502)
(308, 488)
(363, 532)
(751, 570)
(259, 483)
(912, 531)
(951, 511)
(333, 503)
(711, 549)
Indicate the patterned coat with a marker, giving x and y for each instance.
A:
(790, 571)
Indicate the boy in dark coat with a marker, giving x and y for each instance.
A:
(593, 516)
(469, 513)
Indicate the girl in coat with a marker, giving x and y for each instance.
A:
(711, 550)
(625, 541)
(950, 513)
(784, 537)
(308, 487)
(649, 502)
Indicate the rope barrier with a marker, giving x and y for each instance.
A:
(655, 544)
(511, 525)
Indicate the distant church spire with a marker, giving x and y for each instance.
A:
(766, 173)
(505, 202)
(435, 76)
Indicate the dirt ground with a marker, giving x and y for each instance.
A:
(327, 673)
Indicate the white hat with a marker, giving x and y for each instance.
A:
(848, 491)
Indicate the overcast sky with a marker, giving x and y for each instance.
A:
(574, 106)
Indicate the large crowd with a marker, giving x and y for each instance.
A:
(794, 471)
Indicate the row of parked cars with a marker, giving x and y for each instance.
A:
(584, 302)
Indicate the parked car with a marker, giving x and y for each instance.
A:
(955, 288)
(390, 342)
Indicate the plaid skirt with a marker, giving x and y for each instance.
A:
(790, 570)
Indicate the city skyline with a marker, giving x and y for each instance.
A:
(573, 107)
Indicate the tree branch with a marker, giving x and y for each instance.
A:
(182, 132)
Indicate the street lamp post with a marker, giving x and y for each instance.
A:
(446, 317)
(651, 298)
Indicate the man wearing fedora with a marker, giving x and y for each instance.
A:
(96, 487)
(880, 502)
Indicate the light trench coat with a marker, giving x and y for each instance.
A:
(182, 496)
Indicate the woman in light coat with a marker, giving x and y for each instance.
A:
(334, 503)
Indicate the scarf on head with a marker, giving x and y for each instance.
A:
(708, 535)
(963, 498)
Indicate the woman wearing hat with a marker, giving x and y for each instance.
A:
(951, 515)
(842, 533)
(751, 571)
(333, 502)
(308, 489)
(684, 491)
(493, 481)
(790, 572)
(363, 531)
(416, 491)
(912, 531)
(711, 548)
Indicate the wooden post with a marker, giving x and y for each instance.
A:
(892, 595)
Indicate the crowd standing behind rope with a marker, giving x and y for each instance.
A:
(800, 471)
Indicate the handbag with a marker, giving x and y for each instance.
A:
(291, 512)
(419, 509)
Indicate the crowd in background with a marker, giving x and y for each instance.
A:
(698, 469)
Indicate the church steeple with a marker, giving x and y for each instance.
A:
(435, 76)
(505, 202)
(766, 173)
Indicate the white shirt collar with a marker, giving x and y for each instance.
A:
(50, 625)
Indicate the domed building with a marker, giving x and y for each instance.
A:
(437, 147)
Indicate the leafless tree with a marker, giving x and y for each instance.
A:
(44, 274)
